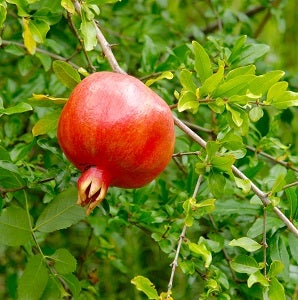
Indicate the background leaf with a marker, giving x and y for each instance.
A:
(34, 279)
(61, 213)
(66, 74)
(145, 285)
(14, 226)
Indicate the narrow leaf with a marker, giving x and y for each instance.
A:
(246, 243)
(17, 109)
(202, 62)
(61, 213)
(66, 73)
(29, 41)
(146, 286)
(88, 32)
(14, 226)
(34, 279)
(187, 82)
(164, 75)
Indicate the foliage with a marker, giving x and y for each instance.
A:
(223, 215)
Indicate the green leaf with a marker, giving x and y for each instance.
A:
(68, 5)
(211, 148)
(285, 100)
(187, 100)
(211, 83)
(67, 75)
(292, 198)
(88, 32)
(276, 267)
(38, 29)
(10, 177)
(46, 101)
(243, 184)
(260, 84)
(256, 113)
(73, 284)
(15, 227)
(146, 286)
(246, 70)
(293, 244)
(2, 14)
(216, 183)
(61, 213)
(257, 228)
(257, 277)
(46, 124)
(223, 163)
(236, 113)
(276, 90)
(29, 41)
(187, 82)
(164, 75)
(246, 243)
(245, 264)
(187, 206)
(201, 250)
(279, 183)
(276, 290)
(234, 86)
(202, 62)
(17, 109)
(34, 279)
(64, 262)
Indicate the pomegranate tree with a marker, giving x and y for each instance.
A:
(117, 132)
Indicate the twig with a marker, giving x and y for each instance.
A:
(69, 16)
(288, 165)
(39, 50)
(105, 46)
(262, 195)
(174, 264)
(264, 241)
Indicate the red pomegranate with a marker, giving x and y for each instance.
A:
(116, 131)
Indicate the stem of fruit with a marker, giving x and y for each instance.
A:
(262, 195)
(174, 264)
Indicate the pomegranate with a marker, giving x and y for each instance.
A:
(117, 132)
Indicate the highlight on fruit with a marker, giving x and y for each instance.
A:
(117, 132)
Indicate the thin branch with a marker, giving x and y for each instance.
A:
(262, 195)
(72, 26)
(39, 50)
(264, 241)
(288, 165)
(105, 46)
(174, 264)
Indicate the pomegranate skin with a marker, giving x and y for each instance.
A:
(117, 131)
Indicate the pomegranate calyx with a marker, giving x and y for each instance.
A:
(92, 188)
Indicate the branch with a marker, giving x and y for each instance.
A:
(39, 50)
(105, 46)
(174, 264)
(262, 195)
